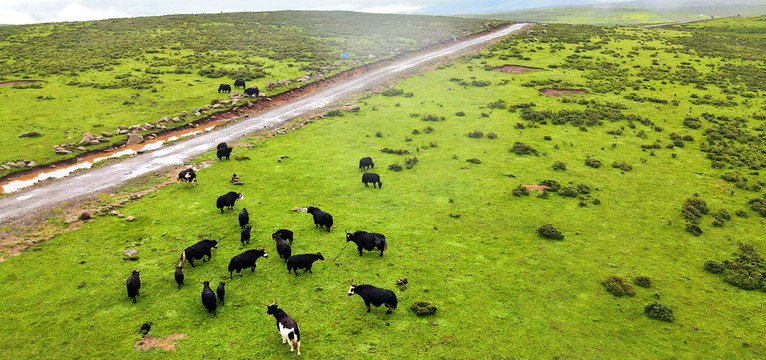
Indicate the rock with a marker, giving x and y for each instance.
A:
(176, 119)
(123, 127)
(84, 216)
(93, 142)
(81, 148)
(30, 134)
(130, 218)
(299, 209)
(21, 164)
(106, 134)
(197, 113)
(114, 212)
(235, 179)
(102, 139)
(32, 164)
(197, 80)
(130, 252)
(120, 216)
(284, 156)
(63, 151)
(70, 220)
(350, 108)
(134, 139)
(5, 167)
(165, 119)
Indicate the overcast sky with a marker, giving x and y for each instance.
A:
(35, 11)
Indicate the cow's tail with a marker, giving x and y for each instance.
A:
(183, 258)
(385, 243)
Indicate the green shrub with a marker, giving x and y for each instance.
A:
(491, 135)
(459, 113)
(423, 308)
(552, 185)
(431, 117)
(659, 311)
(622, 166)
(335, 112)
(415, 132)
(715, 267)
(693, 228)
(410, 162)
(379, 134)
(741, 213)
(592, 162)
(476, 134)
(549, 232)
(520, 148)
(698, 204)
(596, 201)
(759, 205)
(558, 165)
(474, 161)
(583, 189)
(520, 190)
(746, 271)
(395, 167)
(428, 129)
(730, 176)
(617, 286)
(643, 281)
(392, 92)
(395, 151)
(568, 191)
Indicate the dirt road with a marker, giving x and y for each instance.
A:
(72, 187)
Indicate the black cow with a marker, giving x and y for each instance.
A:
(179, 276)
(198, 251)
(133, 283)
(224, 152)
(365, 163)
(374, 295)
(208, 298)
(187, 175)
(221, 292)
(368, 241)
(222, 146)
(302, 261)
(227, 200)
(245, 260)
(284, 234)
(286, 326)
(372, 178)
(283, 248)
(224, 88)
(239, 82)
(252, 91)
(244, 218)
(244, 236)
(321, 218)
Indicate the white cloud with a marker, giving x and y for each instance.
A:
(78, 12)
(14, 17)
(391, 9)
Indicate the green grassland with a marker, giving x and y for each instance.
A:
(630, 13)
(455, 228)
(98, 75)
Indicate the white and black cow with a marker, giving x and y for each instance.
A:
(287, 327)
(187, 175)
(245, 260)
(227, 200)
(374, 295)
(368, 241)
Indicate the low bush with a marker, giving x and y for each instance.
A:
(491, 135)
(697, 203)
(622, 166)
(410, 162)
(520, 148)
(617, 286)
(333, 113)
(643, 281)
(558, 165)
(428, 129)
(693, 229)
(549, 232)
(476, 134)
(583, 189)
(395, 167)
(592, 162)
(459, 113)
(423, 308)
(430, 117)
(474, 161)
(746, 271)
(715, 267)
(395, 151)
(520, 190)
(659, 311)
(552, 185)
(759, 205)
(392, 92)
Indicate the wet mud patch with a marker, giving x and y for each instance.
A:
(167, 343)
(558, 92)
(516, 69)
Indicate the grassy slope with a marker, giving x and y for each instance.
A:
(501, 290)
(149, 65)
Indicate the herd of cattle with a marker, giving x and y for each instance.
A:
(250, 91)
(283, 239)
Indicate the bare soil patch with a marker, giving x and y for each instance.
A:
(537, 187)
(14, 82)
(167, 343)
(557, 92)
(516, 69)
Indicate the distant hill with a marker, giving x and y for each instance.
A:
(630, 13)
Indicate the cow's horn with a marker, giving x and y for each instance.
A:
(275, 300)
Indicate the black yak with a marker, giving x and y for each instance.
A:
(221, 292)
(283, 248)
(224, 88)
(284, 234)
(366, 163)
(244, 218)
(208, 298)
(244, 236)
(368, 241)
(133, 283)
(321, 218)
(245, 260)
(372, 178)
(198, 251)
(227, 200)
(239, 83)
(224, 152)
(375, 296)
(302, 261)
(179, 276)
(252, 91)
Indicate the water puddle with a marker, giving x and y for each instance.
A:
(87, 162)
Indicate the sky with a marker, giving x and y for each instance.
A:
(36, 11)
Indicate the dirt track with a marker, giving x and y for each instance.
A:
(100, 179)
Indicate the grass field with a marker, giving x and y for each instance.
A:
(455, 228)
(97, 75)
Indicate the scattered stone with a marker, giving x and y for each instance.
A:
(130, 218)
(235, 180)
(70, 220)
(299, 209)
(30, 134)
(401, 281)
(32, 164)
(434, 323)
(134, 139)
(81, 148)
(130, 252)
(84, 216)
(63, 151)
(106, 134)
(120, 216)
(93, 142)
(5, 167)
(350, 108)
(21, 164)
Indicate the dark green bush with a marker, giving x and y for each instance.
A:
(392, 92)
(395, 167)
(491, 135)
(715, 267)
(431, 117)
(759, 205)
(395, 151)
(659, 311)
(622, 166)
(474, 161)
(698, 204)
(428, 129)
(552, 185)
(520, 148)
(410, 162)
(596, 201)
(592, 162)
(583, 189)
(731, 177)
(741, 213)
(415, 132)
(617, 286)
(692, 123)
(459, 113)
(643, 281)
(558, 165)
(746, 271)
(549, 232)
(476, 134)
(693, 228)
(520, 190)
(568, 191)
(422, 308)
(334, 112)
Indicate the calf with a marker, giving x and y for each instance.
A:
(189, 176)
(179, 276)
(239, 83)
(198, 251)
(244, 236)
(368, 241)
(302, 261)
(283, 248)
(372, 178)
(287, 327)
(221, 292)
(284, 234)
(133, 283)
(208, 298)
(244, 218)
(375, 296)
(252, 91)
(227, 200)
(245, 260)
(365, 163)
(224, 153)
(224, 88)
(321, 218)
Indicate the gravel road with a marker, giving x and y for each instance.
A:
(102, 178)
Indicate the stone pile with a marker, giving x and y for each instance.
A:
(18, 164)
